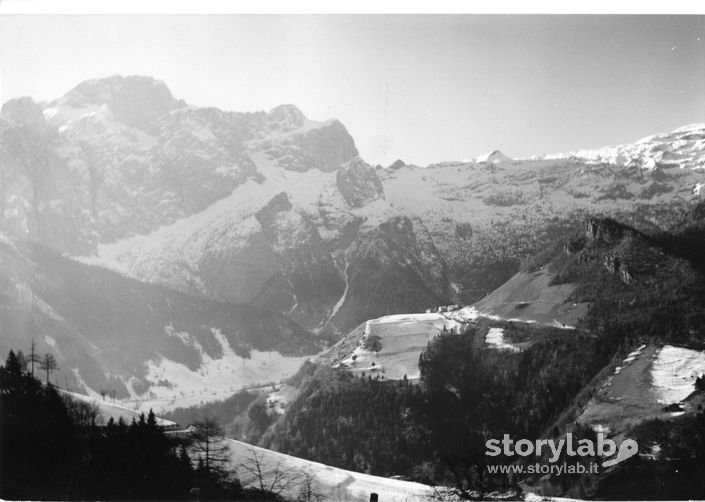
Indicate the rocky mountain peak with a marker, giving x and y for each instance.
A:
(134, 100)
(286, 117)
(358, 183)
(397, 164)
(23, 111)
(493, 157)
(324, 146)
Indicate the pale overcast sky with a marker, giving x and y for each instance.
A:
(423, 88)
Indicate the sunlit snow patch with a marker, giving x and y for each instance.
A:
(674, 371)
(403, 337)
(177, 385)
(495, 339)
(630, 358)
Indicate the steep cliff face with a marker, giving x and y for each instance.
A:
(395, 268)
(606, 230)
(358, 183)
(325, 148)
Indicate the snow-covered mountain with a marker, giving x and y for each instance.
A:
(277, 210)
(681, 148)
(269, 208)
(493, 157)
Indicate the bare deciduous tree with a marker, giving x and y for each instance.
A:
(48, 363)
(83, 413)
(269, 476)
(309, 490)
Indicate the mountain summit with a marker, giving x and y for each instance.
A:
(135, 101)
(493, 157)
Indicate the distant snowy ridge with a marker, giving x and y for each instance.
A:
(682, 147)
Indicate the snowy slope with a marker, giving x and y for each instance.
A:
(331, 482)
(682, 148)
(495, 340)
(108, 409)
(215, 379)
(402, 337)
(642, 385)
(674, 371)
(481, 213)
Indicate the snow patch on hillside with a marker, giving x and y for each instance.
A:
(331, 482)
(629, 359)
(231, 219)
(108, 410)
(175, 385)
(342, 298)
(402, 338)
(495, 340)
(674, 371)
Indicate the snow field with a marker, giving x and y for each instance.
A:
(333, 483)
(109, 410)
(495, 340)
(674, 371)
(403, 338)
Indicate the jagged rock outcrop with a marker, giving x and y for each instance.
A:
(285, 118)
(24, 111)
(279, 204)
(325, 148)
(358, 183)
(397, 164)
(574, 246)
(616, 265)
(605, 230)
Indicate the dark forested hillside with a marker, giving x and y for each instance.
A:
(53, 448)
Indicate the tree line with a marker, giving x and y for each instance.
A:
(53, 447)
